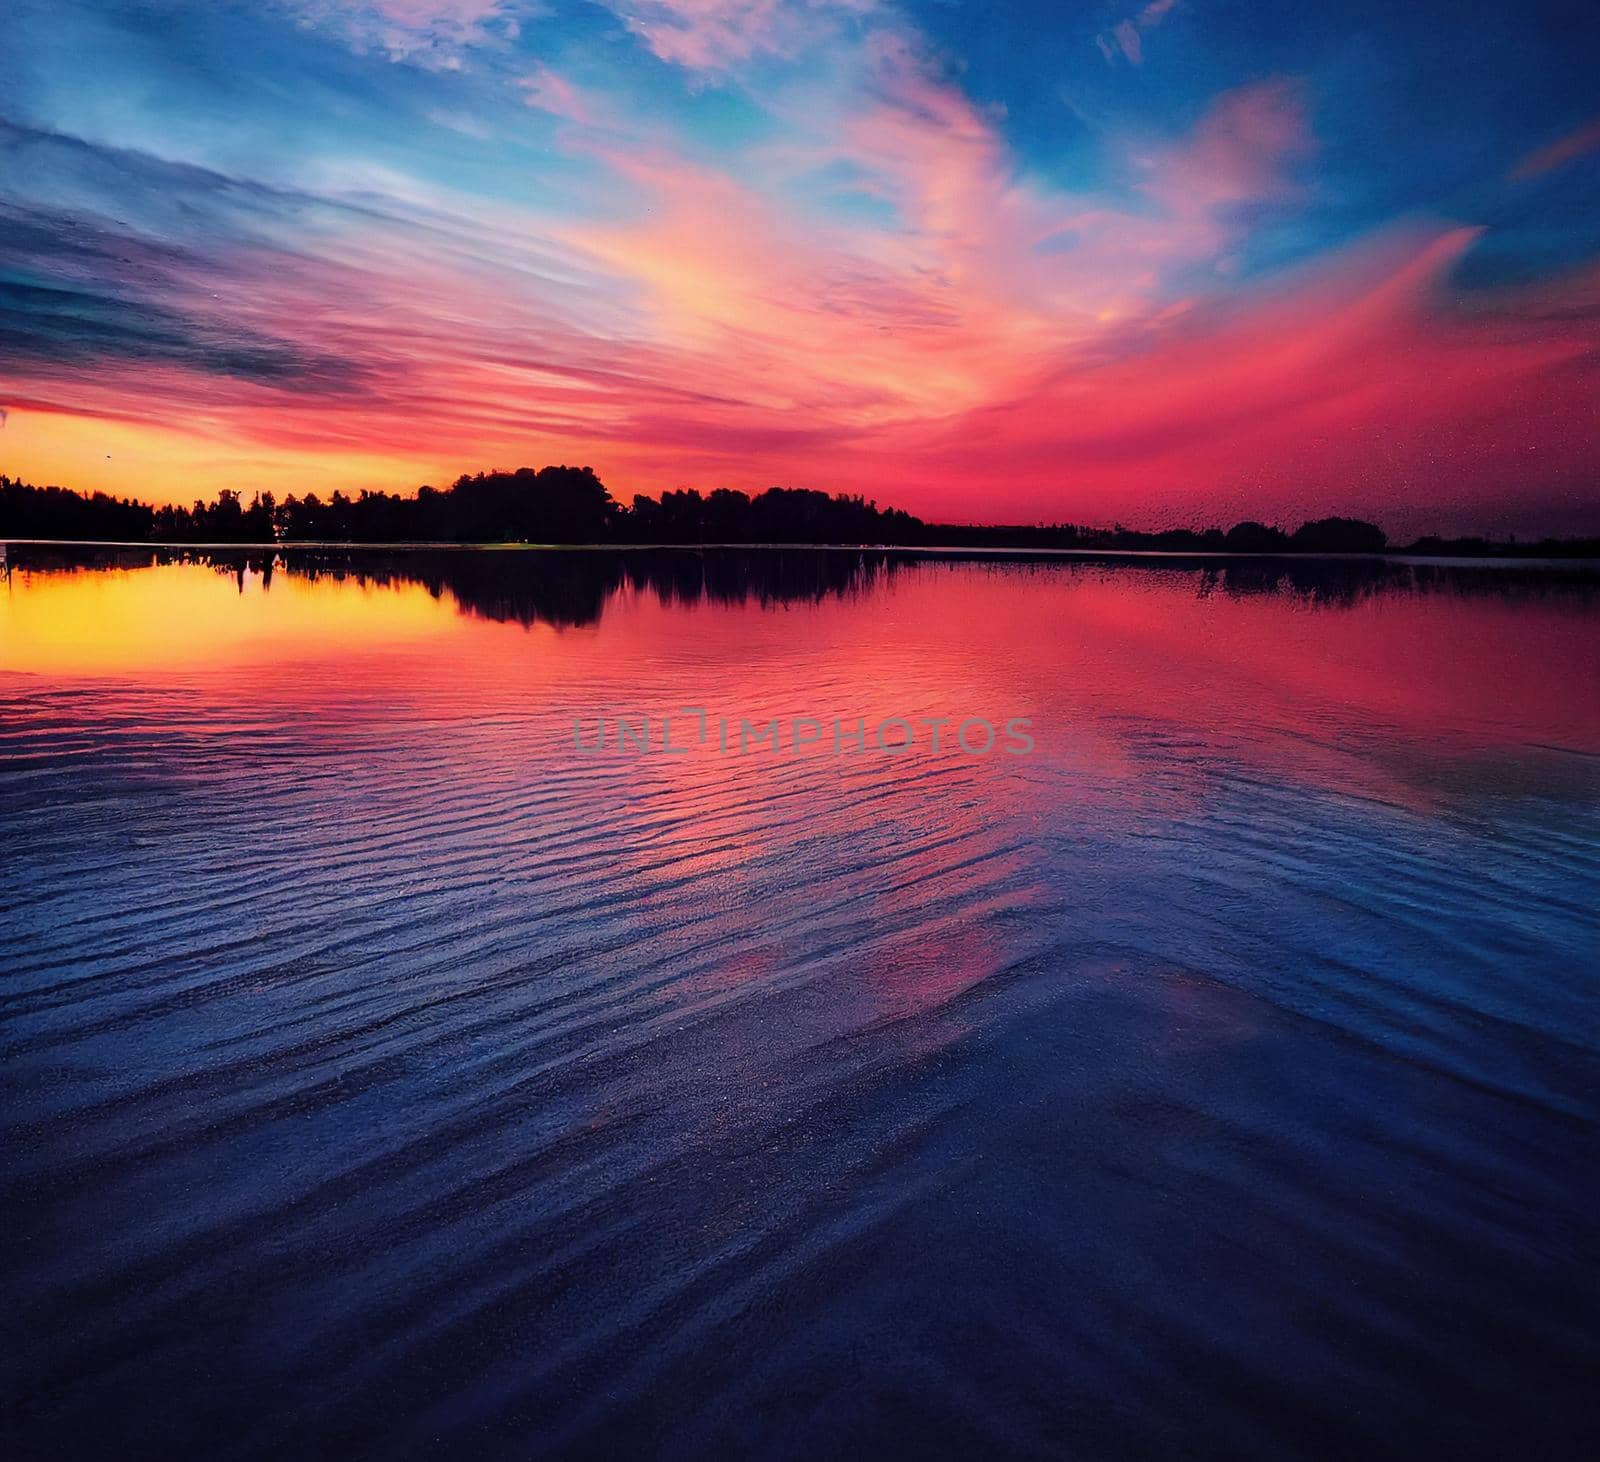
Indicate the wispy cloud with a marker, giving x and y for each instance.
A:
(711, 35)
(1576, 144)
(548, 91)
(1125, 38)
(435, 33)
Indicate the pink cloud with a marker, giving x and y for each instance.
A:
(420, 13)
(1357, 386)
(1242, 151)
(1558, 154)
(709, 35)
(548, 91)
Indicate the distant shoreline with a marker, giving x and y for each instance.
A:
(570, 508)
(927, 551)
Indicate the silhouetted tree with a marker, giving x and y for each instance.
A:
(727, 517)
(1252, 537)
(257, 523)
(643, 521)
(1338, 535)
(55, 512)
(682, 516)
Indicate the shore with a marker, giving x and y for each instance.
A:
(929, 551)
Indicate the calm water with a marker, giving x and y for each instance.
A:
(382, 1076)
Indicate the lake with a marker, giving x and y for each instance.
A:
(406, 1053)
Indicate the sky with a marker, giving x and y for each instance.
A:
(1161, 263)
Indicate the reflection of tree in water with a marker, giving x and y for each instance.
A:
(772, 576)
(571, 587)
(561, 589)
(1344, 582)
(36, 558)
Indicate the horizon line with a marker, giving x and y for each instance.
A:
(412, 494)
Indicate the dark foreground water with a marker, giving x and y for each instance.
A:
(384, 1076)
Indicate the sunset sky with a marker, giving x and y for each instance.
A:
(1174, 262)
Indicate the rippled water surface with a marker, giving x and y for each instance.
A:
(384, 1076)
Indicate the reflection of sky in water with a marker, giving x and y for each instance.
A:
(1219, 1076)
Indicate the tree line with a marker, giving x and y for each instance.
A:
(571, 505)
(543, 505)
